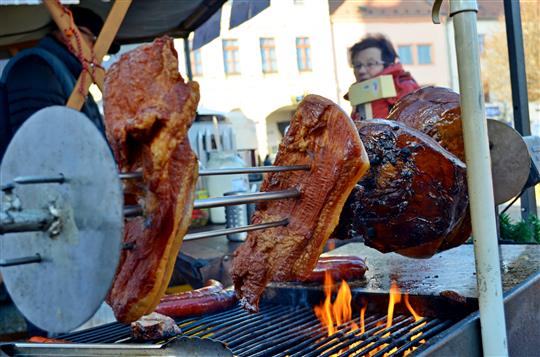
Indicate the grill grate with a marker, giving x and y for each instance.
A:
(282, 330)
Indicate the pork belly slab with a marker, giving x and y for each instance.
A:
(148, 111)
(323, 136)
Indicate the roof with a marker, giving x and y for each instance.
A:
(144, 21)
(403, 10)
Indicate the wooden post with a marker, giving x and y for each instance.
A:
(103, 42)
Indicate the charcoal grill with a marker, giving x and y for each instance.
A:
(282, 330)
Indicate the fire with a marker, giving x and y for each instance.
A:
(333, 314)
(395, 298)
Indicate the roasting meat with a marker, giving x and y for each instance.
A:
(434, 111)
(322, 136)
(414, 196)
(154, 327)
(148, 111)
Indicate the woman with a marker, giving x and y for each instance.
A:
(375, 56)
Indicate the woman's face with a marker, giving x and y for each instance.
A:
(367, 63)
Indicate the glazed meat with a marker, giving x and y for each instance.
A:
(322, 136)
(435, 111)
(148, 111)
(414, 196)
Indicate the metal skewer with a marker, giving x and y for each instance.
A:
(229, 171)
(245, 199)
(220, 232)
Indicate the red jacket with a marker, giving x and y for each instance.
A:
(404, 83)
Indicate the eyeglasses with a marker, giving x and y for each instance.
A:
(368, 66)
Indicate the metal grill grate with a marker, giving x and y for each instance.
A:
(280, 330)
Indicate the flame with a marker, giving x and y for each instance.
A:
(339, 312)
(411, 310)
(395, 298)
(362, 319)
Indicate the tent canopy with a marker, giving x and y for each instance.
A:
(25, 21)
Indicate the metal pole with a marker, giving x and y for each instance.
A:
(480, 184)
(518, 82)
(187, 57)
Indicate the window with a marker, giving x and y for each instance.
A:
(196, 61)
(231, 57)
(303, 54)
(268, 55)
(405, 54)
(424, 54)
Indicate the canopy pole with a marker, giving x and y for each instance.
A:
(518, 82)
(187, 57)
(480, 183)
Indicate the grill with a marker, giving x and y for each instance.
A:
(279, 330)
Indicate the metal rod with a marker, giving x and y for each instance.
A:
(253, 170)
(244, 199)
(25, 221)
(132, 211)
(229, 171)
(220, 232)
(518, 83)
(20, 261)
(130, 175)
(479, 180)
(28, 180)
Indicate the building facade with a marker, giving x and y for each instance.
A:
(265, 66)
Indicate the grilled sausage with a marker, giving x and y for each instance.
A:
(211, 298)
(340, 267)
(212, 286)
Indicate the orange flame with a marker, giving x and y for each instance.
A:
(335, 314)
(411, 310)
(362, 318)
(395, 298)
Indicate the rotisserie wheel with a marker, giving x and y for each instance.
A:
(322, 136)
(148, 111)
(414, 196)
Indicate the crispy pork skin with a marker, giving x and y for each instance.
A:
(435, 111)
(322, 136)
(148, 111)
(414, 196)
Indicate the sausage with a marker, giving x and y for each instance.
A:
(211, 286)
(210, 298)
(40, 339)
(202, 304)
(340, 267)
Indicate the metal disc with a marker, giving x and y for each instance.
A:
(510, 161)
(68, 286)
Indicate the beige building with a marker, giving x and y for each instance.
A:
(266, 65)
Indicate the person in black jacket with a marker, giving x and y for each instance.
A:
(46, 74)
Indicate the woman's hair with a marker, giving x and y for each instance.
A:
(388, 53)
